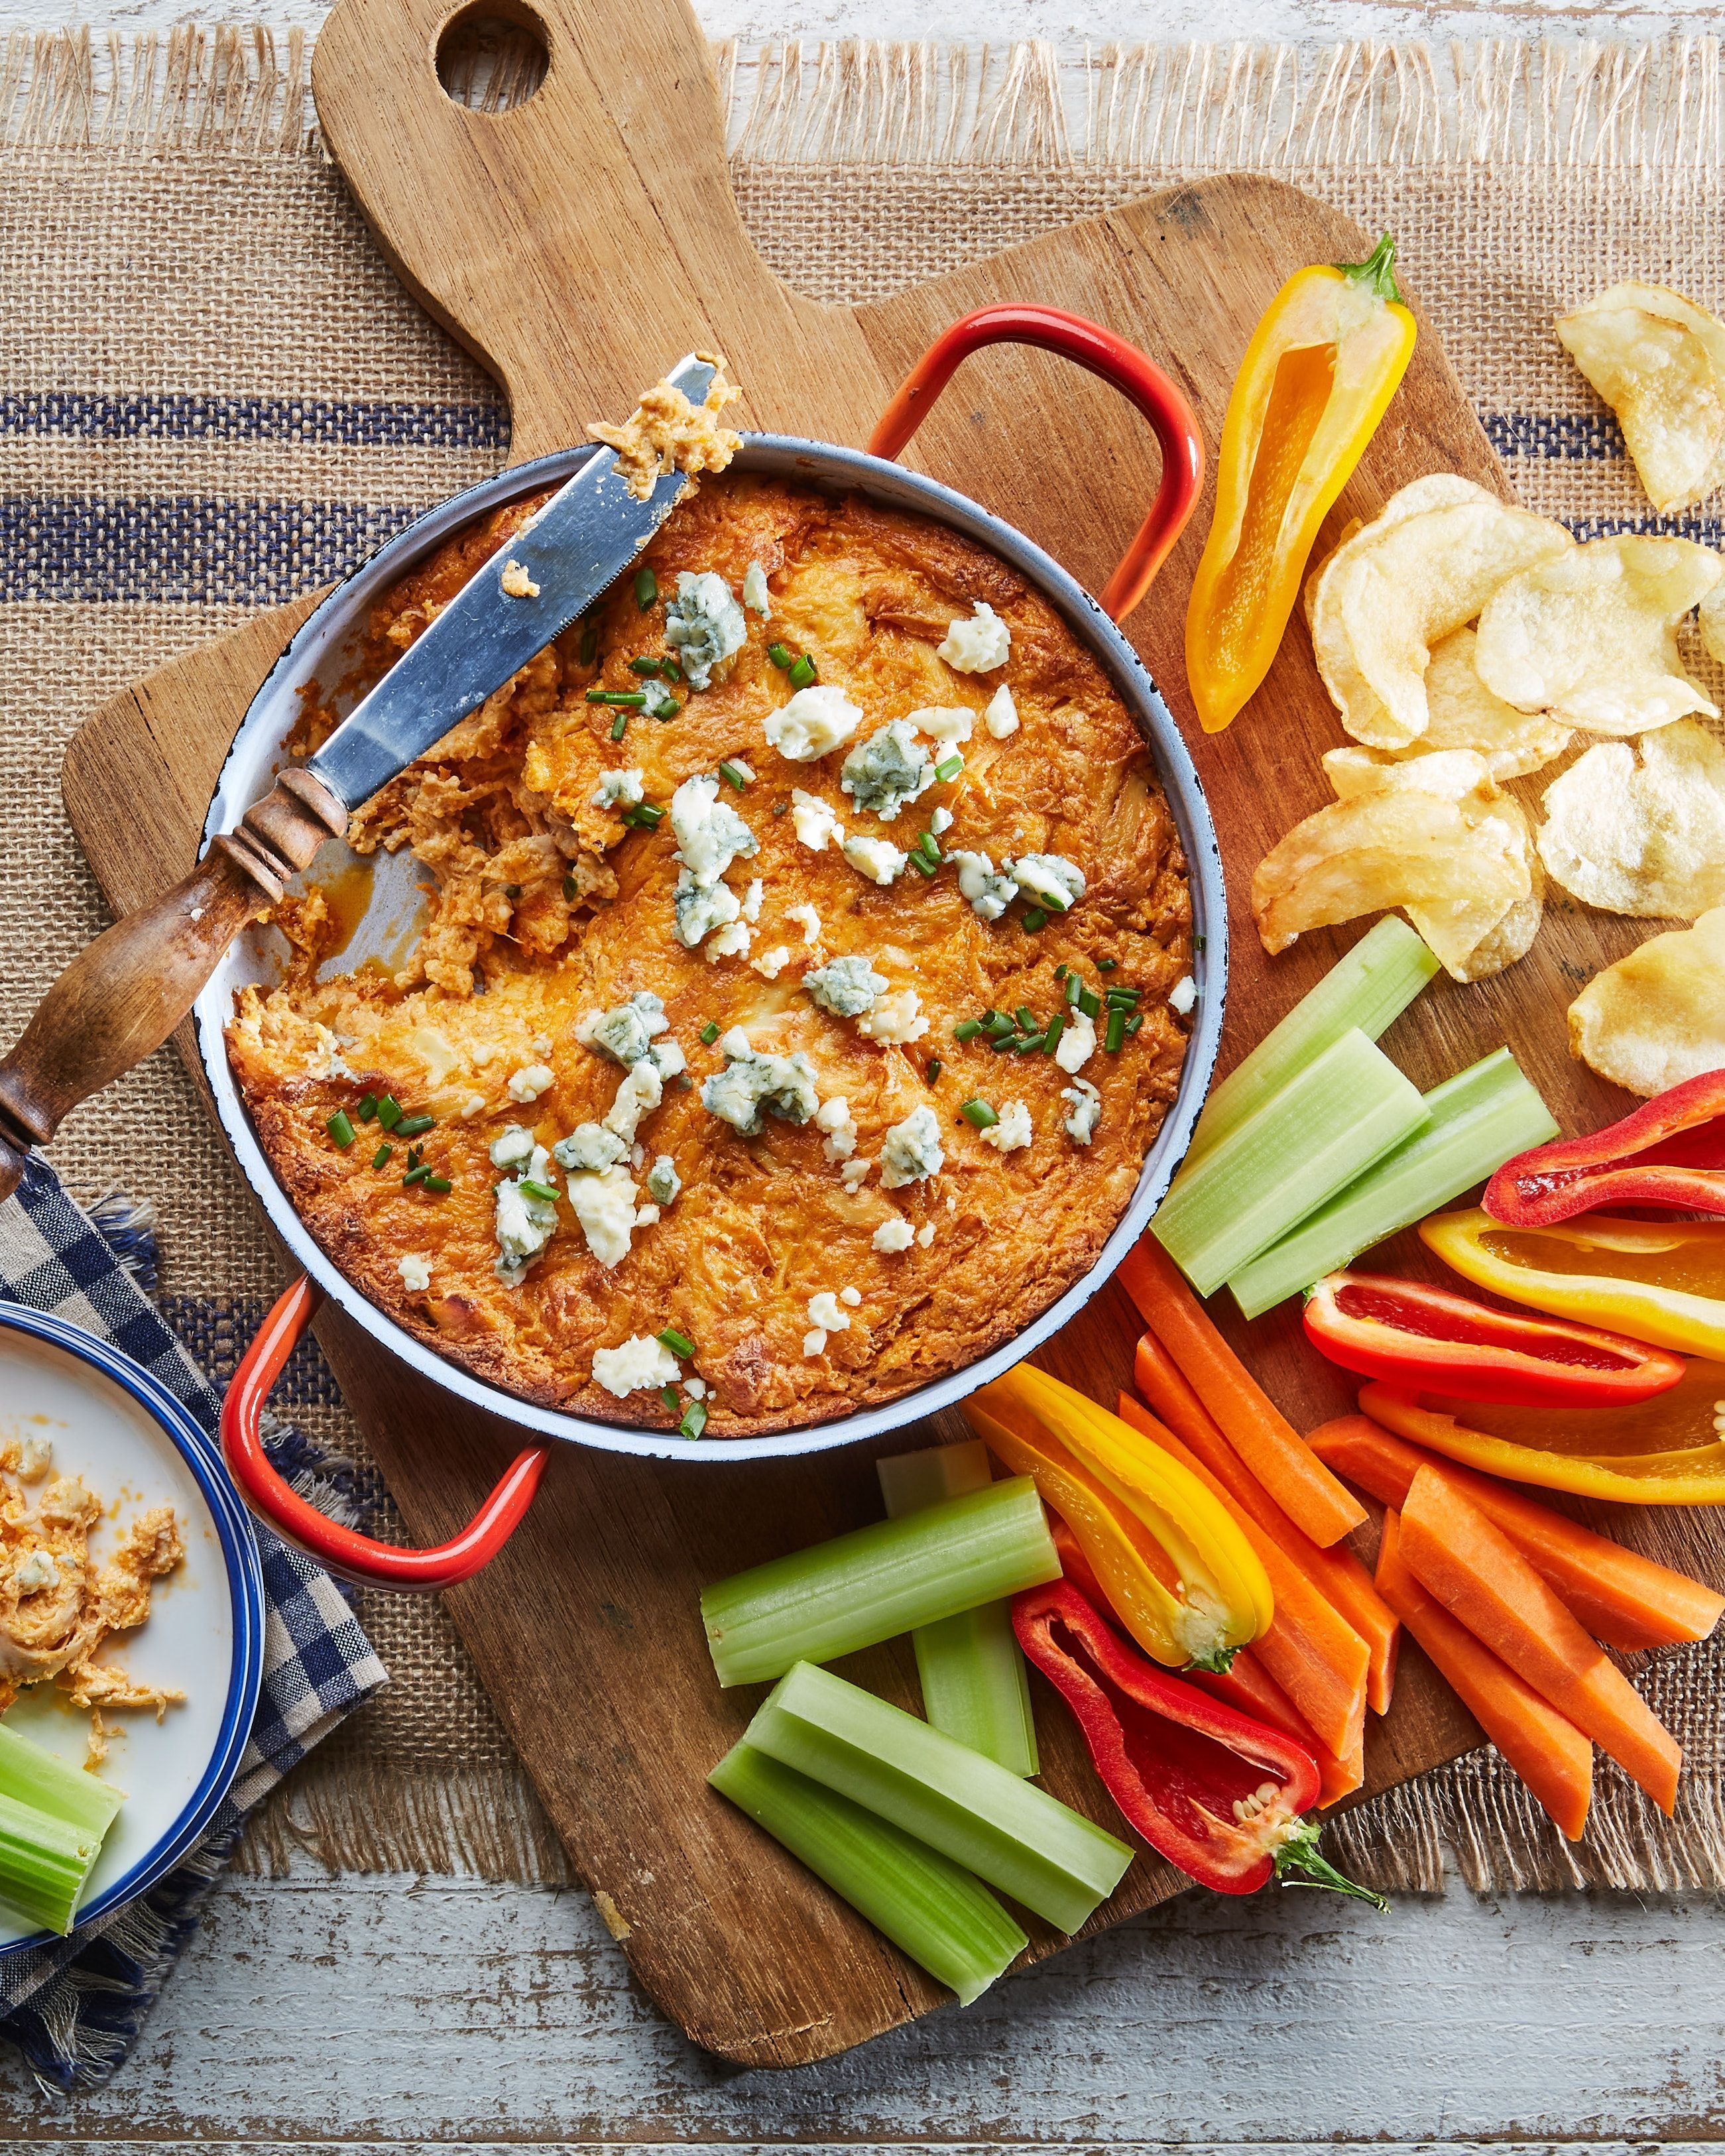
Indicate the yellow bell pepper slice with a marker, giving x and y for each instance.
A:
(1670, 1450)
(1657, 1280)
(1177, 1567)
(1316, 378)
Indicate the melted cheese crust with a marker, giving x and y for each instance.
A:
(502, 809)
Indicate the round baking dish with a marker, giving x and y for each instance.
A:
(317, 653)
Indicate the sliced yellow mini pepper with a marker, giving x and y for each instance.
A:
(1657, 1280)
(1668, 1451)
(1181, 1575)
(1317, 377)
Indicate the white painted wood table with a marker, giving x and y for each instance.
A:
(314, 2012)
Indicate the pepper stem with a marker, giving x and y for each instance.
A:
(1377, 271)
(1218, 1661)
(1300, 1854)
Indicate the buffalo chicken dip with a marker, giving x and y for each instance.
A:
(805, 971)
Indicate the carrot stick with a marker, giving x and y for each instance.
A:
(1548, 1751)
(1625, 1599)
(1337, 1574)
(1485, 1583)
(1257, 1429)
(1316, 1657)
(1245, 1684)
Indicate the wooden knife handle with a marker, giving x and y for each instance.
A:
(121, 998)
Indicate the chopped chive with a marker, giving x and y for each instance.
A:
(1197, 943)
(416, 1174)
(533, 1189)
(710, 1032)
(410, 1126)
(1051, 1036)
(368, 1107)
(1027, 1020)
(732, 777)
(779, 808)
(1126, 996)
(949, 769)
(388, 1110)
(381, 1157)
(341, 1128)
(680, 1345)
(803, 672)
(927, 844)
(968, 1029)
(619, 726)
(1106, 965)
(978, 1113)
(934, 1069)
(694, 1418)
(414, 1156)
(1007, 1043)
(646, 588)
(1033, 1044)
(643, 665)
(921, 863)
(996, 1023)
(589, 644)
(1034, 919)
(1061, 971)
(440, 1183)
(779, 655)
(669, 667)
(666, 711)
(671, 1397)
(1116, 1031)
(1075, 989)
(643, 816)
(1088, 1002)
(511, 891)
(1133, 1022)
(627, 700)
(570, 892)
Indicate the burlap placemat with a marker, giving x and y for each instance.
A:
(215, 394)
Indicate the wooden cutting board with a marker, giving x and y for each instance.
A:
(575, 245)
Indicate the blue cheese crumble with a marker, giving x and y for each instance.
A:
(663, 1181)
(1001, 715)
(1077, 1043)
(699, 908)
(525, 1223)
(1084, 1112)
(1183, 995)
(814, 722)
(911, 1151)
(845, 987)
(627, 1033)
(754, 590)
(895, 1020)
(989, 892)
(887, 770)
(978, 645)
(640, 1365)
(1049, 880)
(614, 786)
(589, 1148)
(753, 1083)
(513, 1148)
(704, 625)
(1012, 1130)
(709, 832)
(605, 1206)
(660, 704)
(877, 859)
(815, 821)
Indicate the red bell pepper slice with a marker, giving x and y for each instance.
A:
(1669, 1151)
(1425, 1339)
(1214, 1792)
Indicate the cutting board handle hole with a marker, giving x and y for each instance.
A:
(493, 55)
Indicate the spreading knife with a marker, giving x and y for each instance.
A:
(121, 997)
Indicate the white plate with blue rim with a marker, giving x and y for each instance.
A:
(109, 1421)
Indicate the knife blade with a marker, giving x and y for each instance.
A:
(589, 532)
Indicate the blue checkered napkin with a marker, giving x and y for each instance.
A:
(74, 2008)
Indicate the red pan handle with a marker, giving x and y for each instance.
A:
(1117, 361)
(339, 1549)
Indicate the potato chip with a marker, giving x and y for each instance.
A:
(1451, 774)
(1308, 591)
(1658, 362)
(1389, 847)
(1590, 636)
(1405, 581)
(1465, 714)
(1658, 1016)
(1473, 937)
(1648, 841)
(1711, 622)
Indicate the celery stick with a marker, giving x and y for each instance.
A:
(1323, 1129)
(1011, 1834)
(877, 1582)
(975, 1685)
(31, 1775)
(941, 1917)
(1367, 990)
(44, 1864)
(1479, 1118)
